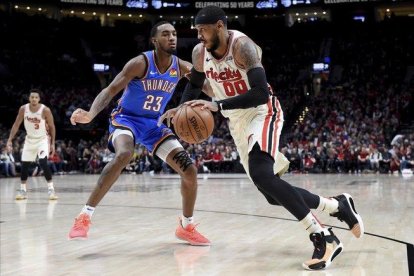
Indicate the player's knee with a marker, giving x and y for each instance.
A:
(190, 174)
(124, 156)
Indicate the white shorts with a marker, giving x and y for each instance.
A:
(33, 148)
(261, 128)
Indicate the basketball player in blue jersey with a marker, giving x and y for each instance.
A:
(149, 81)
(231, 62)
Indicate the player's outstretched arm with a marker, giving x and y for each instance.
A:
(16, 125)
(134, 68)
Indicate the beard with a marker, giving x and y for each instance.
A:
(171, 51)
(215, 42)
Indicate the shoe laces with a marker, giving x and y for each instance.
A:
(339, 215)
(192, 228)
(81, 222)
(318, 241)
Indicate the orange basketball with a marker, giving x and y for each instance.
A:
(192, 124)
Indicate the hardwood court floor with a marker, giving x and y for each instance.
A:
(133, 228)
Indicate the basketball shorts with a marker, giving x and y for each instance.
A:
(145, 130)
(35, 147)
(264, 129)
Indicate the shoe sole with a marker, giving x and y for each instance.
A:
(358, 229)
(77, 238)
(335, 254)
(193, 243)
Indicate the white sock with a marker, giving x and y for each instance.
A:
(328, 205)
(186, 221)
(50, 186)
(88, 210)
(23, 187)
(312, 225)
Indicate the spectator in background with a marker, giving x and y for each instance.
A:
(407, 161)
(384, 164)
(363, 160)
(375, 158)
(55, 161)
(217, 161)
(7, 162)
(146, 162)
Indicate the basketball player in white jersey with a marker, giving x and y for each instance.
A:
(39, 141)
(231, 62)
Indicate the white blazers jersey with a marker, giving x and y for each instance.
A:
(261, 124)
(34, 123)
(227, 79)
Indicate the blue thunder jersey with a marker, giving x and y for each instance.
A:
(148, 96)
(143, 102)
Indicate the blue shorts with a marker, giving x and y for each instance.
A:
(145, 130)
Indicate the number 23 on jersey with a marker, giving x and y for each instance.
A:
(153, 103)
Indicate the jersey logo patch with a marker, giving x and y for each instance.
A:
(173, 73)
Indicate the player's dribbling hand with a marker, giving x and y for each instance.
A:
(80, 116)
(212, 106)
(169, 115)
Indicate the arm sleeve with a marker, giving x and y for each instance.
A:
(257, 95)
(193, 88)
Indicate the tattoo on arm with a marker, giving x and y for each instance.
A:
(100, 102)
(198, 57)
(246, 54)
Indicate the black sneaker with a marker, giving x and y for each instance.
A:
(346, 212)
(326, 249)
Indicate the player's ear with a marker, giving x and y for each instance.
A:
(220, 24)
(153, 40)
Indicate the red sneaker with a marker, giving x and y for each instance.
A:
(81, 227)
(190, 235)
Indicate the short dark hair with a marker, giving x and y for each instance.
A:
(210, 15)
(36, 90)
(154, 28)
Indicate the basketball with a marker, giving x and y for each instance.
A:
(192, 124)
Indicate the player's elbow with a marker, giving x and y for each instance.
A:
(262, 95)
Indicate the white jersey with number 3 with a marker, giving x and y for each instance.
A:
(34, 123)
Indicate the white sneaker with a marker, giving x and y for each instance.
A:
(21, 194)
(52, 195)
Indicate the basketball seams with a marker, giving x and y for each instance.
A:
(201, 118)
(196, 120)
(188, 124)
(178, 120)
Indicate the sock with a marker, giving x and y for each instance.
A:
(88, 210)
(23, 187)
(312, 225)
(50, 186)
(328, 205)
(186, 221)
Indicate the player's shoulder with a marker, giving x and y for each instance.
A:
(139, 59)
(22, 107)
(137, 66)
(198, 49)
